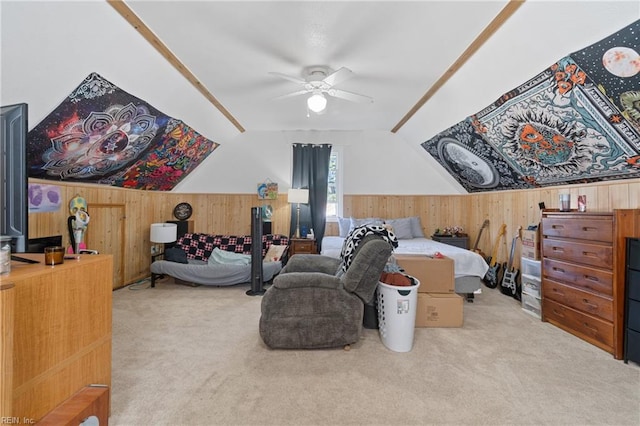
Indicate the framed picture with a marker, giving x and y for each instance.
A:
(268, 190)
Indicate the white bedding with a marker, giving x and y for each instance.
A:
(466, 262)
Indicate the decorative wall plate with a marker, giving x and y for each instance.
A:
(182, 211)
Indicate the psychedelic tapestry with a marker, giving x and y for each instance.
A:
(102, 134)
(575, 122)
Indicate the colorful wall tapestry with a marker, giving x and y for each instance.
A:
(102, 134)
(577, 121)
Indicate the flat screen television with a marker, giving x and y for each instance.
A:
(14, 214)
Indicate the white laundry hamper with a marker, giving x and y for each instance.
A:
(397, 308)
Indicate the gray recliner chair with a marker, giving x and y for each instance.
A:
(314, 304)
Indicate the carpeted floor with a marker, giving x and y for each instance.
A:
(193, 356)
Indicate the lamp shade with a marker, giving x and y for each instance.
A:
(164, 232)
(300, 196)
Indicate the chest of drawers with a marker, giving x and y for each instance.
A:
(583, 274)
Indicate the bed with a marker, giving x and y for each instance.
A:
(203, 273)
(469, 267)
(218, 260)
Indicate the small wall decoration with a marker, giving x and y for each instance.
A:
(575, 122)
(267, 190)
(102, 134)
(44, 198)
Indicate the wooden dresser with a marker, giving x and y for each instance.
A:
(55, 333)
(583, 259)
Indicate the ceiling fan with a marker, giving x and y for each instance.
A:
(319, 80)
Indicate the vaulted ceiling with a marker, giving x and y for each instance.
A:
(401, 53)
(398, 53)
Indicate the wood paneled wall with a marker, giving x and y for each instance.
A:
(230, 213)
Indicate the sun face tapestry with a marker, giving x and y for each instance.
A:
(577, 121)
(102, 134)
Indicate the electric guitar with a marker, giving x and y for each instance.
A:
(491, 277)
(475, 246)
(509, 284)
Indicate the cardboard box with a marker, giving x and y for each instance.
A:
(439, 310)
(435, 275)
(531, 244)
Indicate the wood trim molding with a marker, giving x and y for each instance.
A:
(157, 44)
(497, 22)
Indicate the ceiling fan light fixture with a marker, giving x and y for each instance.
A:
(317, 102)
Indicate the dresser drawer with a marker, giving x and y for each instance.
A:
(593, 254)
(593, 229)
(633, 284)
(595, 280)
(303, 246)
(633, 315)
(583, 301)
(582, 325)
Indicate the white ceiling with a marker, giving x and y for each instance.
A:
(396, 49)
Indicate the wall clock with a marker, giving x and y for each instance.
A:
(182, 211)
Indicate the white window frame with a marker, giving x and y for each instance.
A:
(338, 151)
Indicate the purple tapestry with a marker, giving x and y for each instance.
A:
(102, 134)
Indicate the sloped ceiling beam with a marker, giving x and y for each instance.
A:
(137, 23)
(497, 22)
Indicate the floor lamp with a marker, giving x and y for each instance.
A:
(298, 196)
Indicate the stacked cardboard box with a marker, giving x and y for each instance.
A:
(531, 244)
(438, 304)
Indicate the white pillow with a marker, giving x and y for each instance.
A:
(401, 227)
(344, 225)
(367, 221)
(416, 227)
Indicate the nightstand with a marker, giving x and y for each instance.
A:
(302, 246)
(462, 242)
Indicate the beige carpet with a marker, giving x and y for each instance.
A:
(193, 356)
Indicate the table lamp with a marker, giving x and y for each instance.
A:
(298, 196)
(162, 233)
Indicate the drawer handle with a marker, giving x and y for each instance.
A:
(589, 228)
(560, 314)
(589, 304)
(591, 278)
(558, 270)
(558, 292)
(557, 226)
(587, 253)
(590, 327)
(558, 249)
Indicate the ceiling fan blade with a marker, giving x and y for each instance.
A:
(291, 95)
(349, 96)
(338, 76)
(289, 77)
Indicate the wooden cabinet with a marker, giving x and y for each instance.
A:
(55, 333)
(583, 273)
(302, 246)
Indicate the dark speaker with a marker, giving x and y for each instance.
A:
(184, 226)
(257, 284)
(266, 228)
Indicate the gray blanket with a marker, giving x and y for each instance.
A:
(199, 272)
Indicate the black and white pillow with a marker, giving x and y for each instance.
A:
(354, 238)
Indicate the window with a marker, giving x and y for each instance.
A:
(334, 187)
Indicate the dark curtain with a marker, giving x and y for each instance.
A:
(311, 170)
